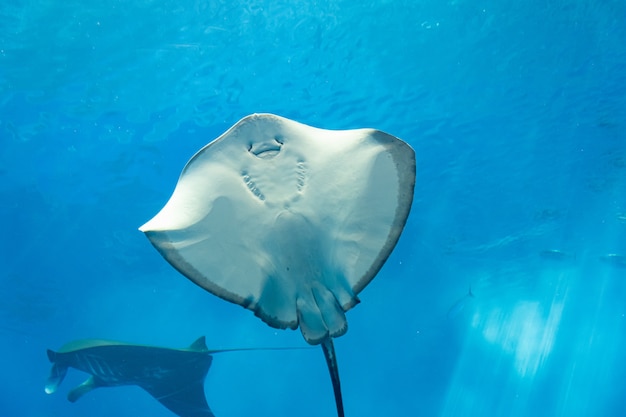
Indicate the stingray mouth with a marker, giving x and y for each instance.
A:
(266, 149)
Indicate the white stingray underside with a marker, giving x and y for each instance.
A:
(287, 220)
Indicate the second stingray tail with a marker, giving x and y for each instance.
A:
(331, 360)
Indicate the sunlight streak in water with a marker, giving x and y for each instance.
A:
(527, 333)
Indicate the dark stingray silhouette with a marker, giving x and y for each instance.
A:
(175, 377)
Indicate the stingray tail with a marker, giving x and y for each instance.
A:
(331, 361)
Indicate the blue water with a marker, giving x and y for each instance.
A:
(517, 114)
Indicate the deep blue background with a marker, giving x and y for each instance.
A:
(516, 111)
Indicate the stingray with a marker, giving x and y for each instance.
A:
(175, 377)
(460, 304)
(557, 255)
(289, 221)
(614, 259)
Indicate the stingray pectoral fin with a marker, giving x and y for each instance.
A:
(331, 360)
(87, 386)
(182, 389)
(183, 398)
